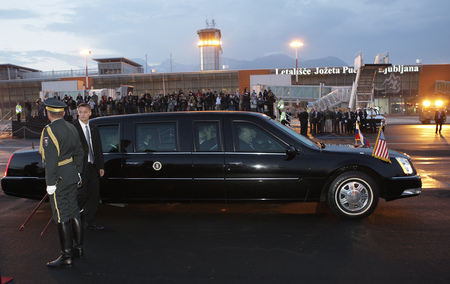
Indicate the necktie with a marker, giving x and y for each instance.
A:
(88, 138)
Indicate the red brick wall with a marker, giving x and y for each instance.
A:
(429, 75)
(244, 78)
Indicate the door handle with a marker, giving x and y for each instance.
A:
(235, 163)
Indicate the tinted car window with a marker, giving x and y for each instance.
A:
(293, 133)
(110, 138)
(252, 138)
(156, 137)
(206, 136)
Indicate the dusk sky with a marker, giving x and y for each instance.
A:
(50, 34)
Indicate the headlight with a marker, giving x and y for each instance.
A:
(439, 103)
(406, 166)
(426, 103)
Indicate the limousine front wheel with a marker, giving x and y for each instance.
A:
(353, 195)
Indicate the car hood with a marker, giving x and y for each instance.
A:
(350, 149)
(27, 150)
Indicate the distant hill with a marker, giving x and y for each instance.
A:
(264, 62)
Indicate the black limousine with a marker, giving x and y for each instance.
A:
(227, 156)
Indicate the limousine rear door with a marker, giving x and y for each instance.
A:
(256, 168)
(160, 166)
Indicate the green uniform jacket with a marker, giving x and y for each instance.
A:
(62, 153)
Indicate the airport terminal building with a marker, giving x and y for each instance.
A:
(396, 89)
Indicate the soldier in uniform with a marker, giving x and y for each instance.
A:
(62, 156)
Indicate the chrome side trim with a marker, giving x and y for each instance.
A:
(268, 179)
(255, 153)
(406, 177)
(156, 153)
(411, 191)
(187, 179)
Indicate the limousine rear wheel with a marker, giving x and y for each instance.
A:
(353, 195)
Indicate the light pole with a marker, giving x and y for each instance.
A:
(296, 44)
(86, 52)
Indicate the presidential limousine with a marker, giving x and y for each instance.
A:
(227, 156)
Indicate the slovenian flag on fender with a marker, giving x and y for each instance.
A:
(381, 151)
(360, 137)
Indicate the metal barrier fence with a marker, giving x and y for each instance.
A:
(59, 74)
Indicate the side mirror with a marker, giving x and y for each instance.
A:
(291, 152)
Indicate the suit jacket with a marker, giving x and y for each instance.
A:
(312, 116)
(443, 116)
(96, 145)
(348, 115)
(244, 146)
(303, 116)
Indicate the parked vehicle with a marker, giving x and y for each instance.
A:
(380, 120)
(227, 156)
(428, 107)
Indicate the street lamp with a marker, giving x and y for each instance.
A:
(86, 52)
(296, 44)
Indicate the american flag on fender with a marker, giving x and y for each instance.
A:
(359, 137)
(381, 151)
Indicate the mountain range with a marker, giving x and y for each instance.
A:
(272, 61)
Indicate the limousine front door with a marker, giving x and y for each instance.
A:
(257, 168)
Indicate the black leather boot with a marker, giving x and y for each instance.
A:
(66, 242)
(77, 230)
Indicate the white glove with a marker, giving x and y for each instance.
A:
(80, 181)
(51, 189)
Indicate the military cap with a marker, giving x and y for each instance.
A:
(54, 105)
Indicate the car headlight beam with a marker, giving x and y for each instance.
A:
(406, 165)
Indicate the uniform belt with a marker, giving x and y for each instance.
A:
(65, 162)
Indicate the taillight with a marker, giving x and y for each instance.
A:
(10, 158)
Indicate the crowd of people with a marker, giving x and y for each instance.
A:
(336, 120)
(318, 120)
(102, 105)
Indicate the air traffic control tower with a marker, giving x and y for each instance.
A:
(210, 47)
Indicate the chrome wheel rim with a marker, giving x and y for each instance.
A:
(354, 196)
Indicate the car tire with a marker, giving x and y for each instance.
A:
(353, 195)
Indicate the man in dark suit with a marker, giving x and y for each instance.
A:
(349, 121)
(312, 121)
(89, 193)
(440, 118)
(303, 117)
(246, 135)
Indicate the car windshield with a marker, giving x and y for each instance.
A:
(377, 112)
(291, 132)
